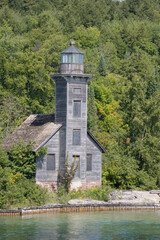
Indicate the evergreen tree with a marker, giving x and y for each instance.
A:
(92, 117)
(102, 66)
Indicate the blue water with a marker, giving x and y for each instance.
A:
(112, 225)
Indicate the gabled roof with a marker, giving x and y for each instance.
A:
(95, 140)
(38, 128)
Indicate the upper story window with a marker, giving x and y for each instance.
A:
(76, 108)
(89, 162)
(51, 162)
(76, 137)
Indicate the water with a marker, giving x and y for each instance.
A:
(113, 225)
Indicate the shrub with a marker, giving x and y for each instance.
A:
(96, 193)
(16, 190)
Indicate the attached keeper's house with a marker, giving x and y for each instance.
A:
(64, 132)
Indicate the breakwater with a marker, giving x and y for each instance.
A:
(78, 208)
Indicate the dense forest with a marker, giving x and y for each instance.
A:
(121, 45)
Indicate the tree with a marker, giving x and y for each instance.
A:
(69, 173)
(92, 118)
(102, 66)
(23, 159)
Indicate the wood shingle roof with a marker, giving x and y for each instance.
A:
(37, 128)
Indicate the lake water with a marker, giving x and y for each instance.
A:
(112, 225)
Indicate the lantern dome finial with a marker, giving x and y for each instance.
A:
(72, 42)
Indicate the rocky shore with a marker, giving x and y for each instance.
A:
(125, 197)
(119, 200)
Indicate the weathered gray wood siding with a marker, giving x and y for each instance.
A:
(69, 89)
(42, 174)
(93, 149)
(60, 116)
(77, 123)
(66, 93)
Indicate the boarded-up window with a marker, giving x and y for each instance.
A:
(76, 158)
(89, 162)
(77, 90)
(76, 137)
(76, 108)
(51, 162)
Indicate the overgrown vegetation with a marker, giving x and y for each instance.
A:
(97, 193)
(16, 186)
(121, 45)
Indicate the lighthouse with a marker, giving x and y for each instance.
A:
(65, 131)
(71, 86)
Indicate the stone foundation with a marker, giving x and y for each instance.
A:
(86, 185)
(74, 185)
(52, 186)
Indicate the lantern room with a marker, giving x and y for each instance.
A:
(71, 60)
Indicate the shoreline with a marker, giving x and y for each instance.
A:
(78, 208)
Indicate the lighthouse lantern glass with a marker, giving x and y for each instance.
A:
(72, 58)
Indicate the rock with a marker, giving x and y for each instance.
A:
(84, 202)
(122, 197)
(133, 196)
(119, 195)
(155, 192)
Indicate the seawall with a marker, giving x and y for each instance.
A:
(78, 208)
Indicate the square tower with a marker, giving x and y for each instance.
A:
(71, 109)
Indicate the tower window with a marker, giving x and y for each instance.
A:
(89, 162)
(76, 137)
(76, 108)
(51, 162)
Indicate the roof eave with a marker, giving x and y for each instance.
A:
(95, 140)
(47, 139)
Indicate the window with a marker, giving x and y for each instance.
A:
(76, 158)
(77, 90)
(51, 162)
(76, 108)
(76, 137)
(89, 162)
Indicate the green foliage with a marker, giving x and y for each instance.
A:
(102, 66)
(23, 159)
(92, 118)
(96, 193)
(16, 190)
(3, 158)
(62, 195)
(87, 37)
(123, 101)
